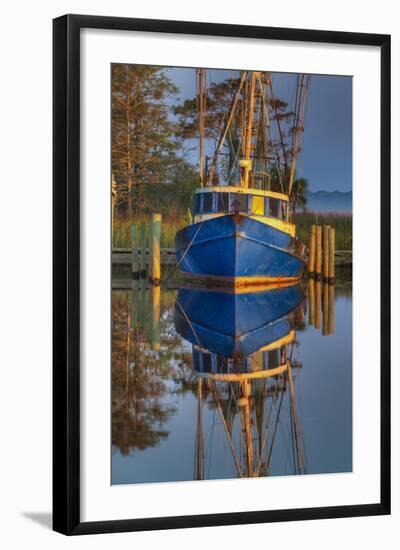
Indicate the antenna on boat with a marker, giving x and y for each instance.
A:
(201, 91)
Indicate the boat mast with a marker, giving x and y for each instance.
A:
(201, 92)
(249, 133)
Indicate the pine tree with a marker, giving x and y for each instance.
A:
(144, 146)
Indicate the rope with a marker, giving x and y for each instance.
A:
(190, 244)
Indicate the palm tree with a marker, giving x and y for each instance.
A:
(298, 196)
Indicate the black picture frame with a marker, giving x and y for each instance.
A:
(66, 273)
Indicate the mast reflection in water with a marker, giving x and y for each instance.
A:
(242, 349)
(209, 384)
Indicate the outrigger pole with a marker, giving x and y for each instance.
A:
(201, 88)
(303, 82)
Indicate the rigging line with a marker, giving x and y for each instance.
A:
(190, 324)
(268, 461)
(275, 431)
(221, 123)
(270, 135)
(210, 444)
(277, 120)
(235, 161)
(295, 420)
(190, 244)
(266, 432)
(223, 136)
(299, 443)
(212, 385)
(164, 281)
(295, 108)
(291, 434)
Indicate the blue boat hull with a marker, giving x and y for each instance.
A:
(238, 248)
(237, 325)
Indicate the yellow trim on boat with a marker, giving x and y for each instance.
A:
(243, 191)
(288, 339)
(282, 225)
(233, 377)
(234, 282)
(193, 284)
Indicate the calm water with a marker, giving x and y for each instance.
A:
(209, 385)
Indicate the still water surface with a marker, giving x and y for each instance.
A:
(210, 385)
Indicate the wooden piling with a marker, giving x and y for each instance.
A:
(318, 255)
(331, 316)
(326, 251)
(311, 301)
(143, 249)
(155, 236)
(134, 252)
(155, 294)
(325, 306)
(311, 258)
(332, 255)
(317, 303)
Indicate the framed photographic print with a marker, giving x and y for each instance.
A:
(221, 274)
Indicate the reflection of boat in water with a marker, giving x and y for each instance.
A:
(243, 230)
(242, 356)
(236, 325)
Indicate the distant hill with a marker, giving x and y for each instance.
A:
(329, 201)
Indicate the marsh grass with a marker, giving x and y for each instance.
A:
(169, 227)
(341, 222)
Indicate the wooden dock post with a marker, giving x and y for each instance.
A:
(311, 258)
(318, 255)
(331, 316)
(331, 255)
(154, 260)
(143, 249)
(135, 257)
(325, 306)
(155, 317)
(317, 303)
(326, 251)
(311, 300)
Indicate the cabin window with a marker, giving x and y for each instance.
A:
(238, 201)
(196, 359)
(271, 359)
(221, 363)
(275, 208)
(222, 202)
(207, 202)
(207, 361)
(197, 204)
(258, 205)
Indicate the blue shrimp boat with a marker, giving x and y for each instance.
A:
(239, 237)
(242, 230)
